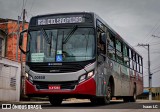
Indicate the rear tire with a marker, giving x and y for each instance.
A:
(133, 98)
(55, 101)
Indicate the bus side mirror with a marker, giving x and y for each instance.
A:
(21, 41)
(103, 37)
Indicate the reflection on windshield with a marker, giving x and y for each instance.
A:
(80, 46)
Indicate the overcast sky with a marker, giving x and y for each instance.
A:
(134, 20)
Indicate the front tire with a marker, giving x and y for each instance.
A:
(103, 100)
(55, 101)
(106, 99)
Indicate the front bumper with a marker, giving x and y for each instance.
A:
(87, 87)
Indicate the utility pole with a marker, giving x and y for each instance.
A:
(23, 24)
(149, 71)
(17, 38)
(22, 64)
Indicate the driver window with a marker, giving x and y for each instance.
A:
(101, 45)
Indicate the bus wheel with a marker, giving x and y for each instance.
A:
(106, 99)
(133, 98)
(55, 101)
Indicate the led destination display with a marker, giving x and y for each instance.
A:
(60, 20)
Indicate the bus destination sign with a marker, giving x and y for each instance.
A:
(60, 20)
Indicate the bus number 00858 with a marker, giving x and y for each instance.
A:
(39, 77)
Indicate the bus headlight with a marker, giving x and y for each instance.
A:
(29, 77)
(85, 76)
(82, 78)
(90, 74)
(26, 75)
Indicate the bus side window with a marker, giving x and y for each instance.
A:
(119, 55)
(101, 45)
(126, 55)
(141, 66)
(134, 60)
(137, 64)
(131, 56)
(111, 46)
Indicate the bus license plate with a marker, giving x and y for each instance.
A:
(51, 87)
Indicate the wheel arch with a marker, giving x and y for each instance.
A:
(135, 87)
(112, 82)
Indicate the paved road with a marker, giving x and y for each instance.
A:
(113, 105)
(85, 105)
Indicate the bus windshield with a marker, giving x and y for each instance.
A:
(61, 45)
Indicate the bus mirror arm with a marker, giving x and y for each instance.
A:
(24, 52)
(21, 41)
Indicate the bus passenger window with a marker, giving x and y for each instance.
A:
(111, 39)
(119, 57)
(118, 45)
(130, 53)
(131, 64)
(126, 55)
(137, 67)
(111, 52)
(140, 69)
(126, 61)
(140, 61)
(111, 46)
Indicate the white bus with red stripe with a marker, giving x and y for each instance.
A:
(78, 55)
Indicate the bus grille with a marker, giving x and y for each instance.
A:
(64, 85)
(45, 68)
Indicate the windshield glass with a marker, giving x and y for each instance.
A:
(61, 45)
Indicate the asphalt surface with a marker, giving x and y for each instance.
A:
(85, 105)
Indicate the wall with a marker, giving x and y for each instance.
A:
(9, 80)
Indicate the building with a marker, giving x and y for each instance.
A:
(3, 36)
(10, 68)
(155, 93)
(8, 38)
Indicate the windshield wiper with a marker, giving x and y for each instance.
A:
(48, 40)
(70, 34)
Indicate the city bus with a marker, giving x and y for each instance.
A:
(78, 55)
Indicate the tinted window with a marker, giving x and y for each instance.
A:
(0, 47)
(119, 57)
(111, 39)
(111, 52)
(118, 45)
